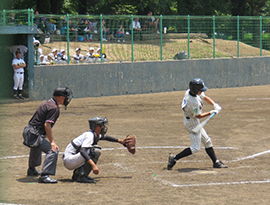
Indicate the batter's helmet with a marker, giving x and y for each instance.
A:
(64, 91)
(196, 85)
(98, 121)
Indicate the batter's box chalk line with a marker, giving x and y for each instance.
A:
(166, 182)
(120, 148)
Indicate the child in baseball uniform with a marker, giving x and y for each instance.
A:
(192, 109)
(18, 65)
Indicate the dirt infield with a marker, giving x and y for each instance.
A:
(240, 134)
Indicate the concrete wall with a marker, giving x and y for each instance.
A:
(92, 80)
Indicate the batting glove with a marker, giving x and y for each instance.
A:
(214, 111)
(217, 107)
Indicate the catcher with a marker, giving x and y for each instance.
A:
(82, 153)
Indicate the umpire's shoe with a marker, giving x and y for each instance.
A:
(219, 164)
(47, 180)
(171, 162)
(33, 172)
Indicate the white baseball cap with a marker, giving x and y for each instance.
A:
(98, 49)
(91, 49)
(36, 41)
(62, 50)
(78, 49)
(53, 50)
(41, 56)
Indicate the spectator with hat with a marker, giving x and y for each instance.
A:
(90, 55)
(62, 56)
(78, 57)
(98, 56)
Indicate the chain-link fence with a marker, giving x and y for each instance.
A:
(70, 39)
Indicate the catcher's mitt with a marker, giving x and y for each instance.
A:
(130, 142)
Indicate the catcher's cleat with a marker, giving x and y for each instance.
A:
(75, 176)
(171, 162)
(33, 172)
(219, 164)
(84, 179)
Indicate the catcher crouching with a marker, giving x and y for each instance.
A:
(82, 153)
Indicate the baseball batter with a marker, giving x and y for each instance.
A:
(18, 77)
(81, 155)
(192, 109)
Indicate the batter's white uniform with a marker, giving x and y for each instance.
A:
(72, 159)
(192, 106)
(18, 74)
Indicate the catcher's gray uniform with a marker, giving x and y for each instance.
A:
(192, 106)
(72, 157)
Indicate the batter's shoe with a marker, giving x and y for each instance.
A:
(171, 162)
(33, 172)
(219, 164)
(84, 179)
(47, 180)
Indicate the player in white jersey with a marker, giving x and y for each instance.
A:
(18, 67)
(192, 108)
(82, 153)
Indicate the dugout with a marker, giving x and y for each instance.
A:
(10, 36)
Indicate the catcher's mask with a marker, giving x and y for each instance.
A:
(64, 91)
(196, 85)
(98, 121)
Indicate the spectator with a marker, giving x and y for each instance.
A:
(136, 28)
(90, 55)
(151, 22)
(54, 52)
(37, 52)
(78, 57)
(85, 30)
(106, 31)
(40, 23)
(51, 59)
(43, 60)
(121, 33)
(98, 56)
(73, 31)
(62, 57)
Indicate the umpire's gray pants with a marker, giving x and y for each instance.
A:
(49, 164)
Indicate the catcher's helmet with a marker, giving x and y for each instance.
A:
(98, 121)
(64, 91)
(196, 85)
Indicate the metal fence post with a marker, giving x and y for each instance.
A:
(132, 54)
(4, 17)
(32, 17)
(214, 37)
(188, 24)
(260, 35)
(28, 13)
(161, 28)
(68, 38)
(238, 27)
(101, 38)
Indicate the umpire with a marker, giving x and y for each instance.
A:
(40, 127)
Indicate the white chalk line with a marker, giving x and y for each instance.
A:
(251, 156)
(165, 182)
(119, 148)
(252, 98)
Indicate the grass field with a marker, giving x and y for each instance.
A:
(149, 50)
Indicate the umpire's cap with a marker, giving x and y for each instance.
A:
(196, 85)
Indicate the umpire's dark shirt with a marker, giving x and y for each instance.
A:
(46, 112)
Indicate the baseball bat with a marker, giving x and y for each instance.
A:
(201, 125)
